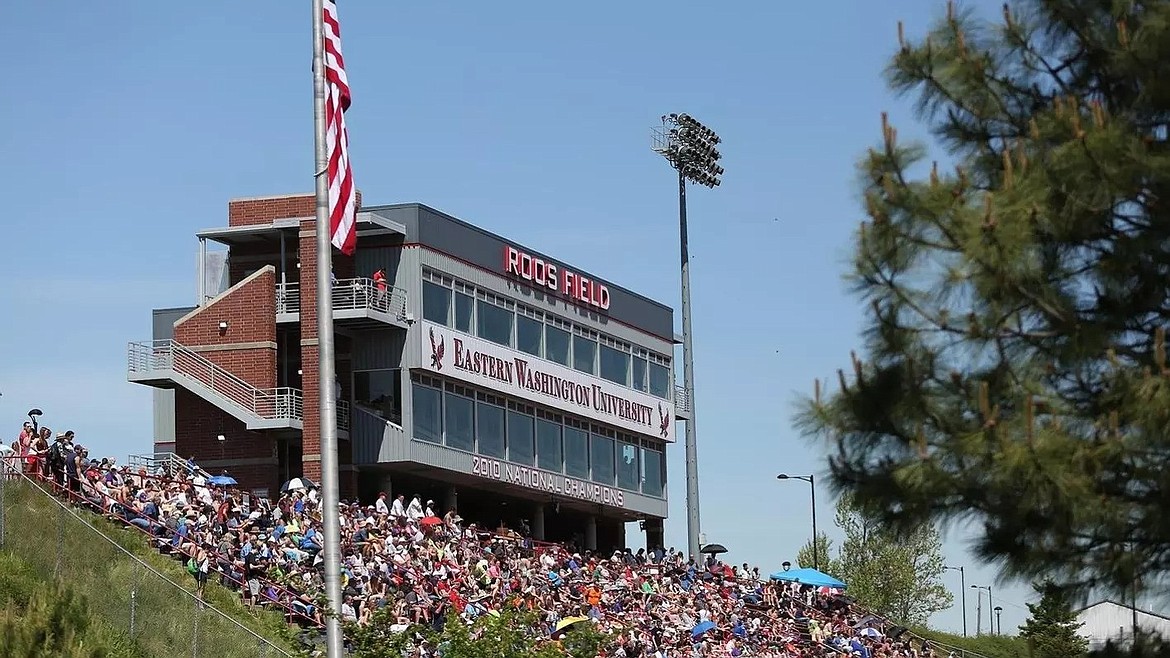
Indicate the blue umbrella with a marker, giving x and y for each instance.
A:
(222, 481)
(702, 627)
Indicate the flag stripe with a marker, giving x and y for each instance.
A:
(341, 189)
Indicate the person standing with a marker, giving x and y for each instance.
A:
(380, 288)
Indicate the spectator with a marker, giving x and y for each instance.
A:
(649, 601)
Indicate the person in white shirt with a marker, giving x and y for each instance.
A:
(380, 506)
(430, 511)
(414, 511)
(397, 508)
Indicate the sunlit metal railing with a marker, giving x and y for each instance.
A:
(348, 295)
(682, 401)
(343, 415)
(268, 403)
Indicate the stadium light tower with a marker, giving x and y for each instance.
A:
(689, 147)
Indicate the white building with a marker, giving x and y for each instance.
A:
(1109, 620)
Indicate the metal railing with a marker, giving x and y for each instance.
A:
(682, 401)
(343, 415)
(164, 463)
(268, 403)
(348, 295)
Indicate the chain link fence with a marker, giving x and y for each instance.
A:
(145, 596)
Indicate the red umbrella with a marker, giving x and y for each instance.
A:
(431, 521)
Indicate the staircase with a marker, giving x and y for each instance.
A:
(165, 363)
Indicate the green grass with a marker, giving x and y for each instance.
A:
(55, 547)
(991, 646)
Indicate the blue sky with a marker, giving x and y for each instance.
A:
(128, 129)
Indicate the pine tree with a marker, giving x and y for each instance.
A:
(1051, 630)
(1014, 369)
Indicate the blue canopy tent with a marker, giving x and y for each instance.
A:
(808, 577)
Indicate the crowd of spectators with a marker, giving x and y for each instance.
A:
(424, 565)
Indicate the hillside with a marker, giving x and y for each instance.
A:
(137, 600)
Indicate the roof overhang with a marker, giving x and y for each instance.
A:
(254, 234)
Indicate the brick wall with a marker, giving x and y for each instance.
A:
(198, 425)
(265, 210)
(246, 212)
(247, 348)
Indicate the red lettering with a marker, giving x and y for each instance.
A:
(547, 275)
(603, 297)
(511, 261)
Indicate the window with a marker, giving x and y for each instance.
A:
(639, 379)
(529, 335)
(379, 391)
(459, 428)
(615, 365)
(548, 445)
(652, 475)
(576, 452)
(556, 345)
(464, 307)
(601, 450)
(490, 429)
(584, 355)
(628, 473)
(660, 381)
(520, 438)
(493, 323)
(436, 303)
(427, 405)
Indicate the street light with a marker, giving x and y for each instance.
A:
(979, 611)
(689, 147)
(813, 489)
(998, 620)
(962, 593)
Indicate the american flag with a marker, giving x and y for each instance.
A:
(341, 190)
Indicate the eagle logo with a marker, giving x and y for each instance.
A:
(663, 422)
(437, 350)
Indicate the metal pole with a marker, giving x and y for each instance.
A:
(990, 606)
(689, 376)
(202, 287)
(816, 544)
(978, 612)
(963, 591)
(325, 377)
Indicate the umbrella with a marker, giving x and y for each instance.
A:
(809, 577)
(871, 632)
(565, 624)
(222, 481)
(296, 484)
(713, 549)
(702, 627)
(430, 521)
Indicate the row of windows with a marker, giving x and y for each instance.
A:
(505, 323)
(478, 422)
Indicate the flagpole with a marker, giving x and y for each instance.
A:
(330, 521)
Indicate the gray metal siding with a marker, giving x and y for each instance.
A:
(164, 416)
(163, 321)
(375, 350)
(163, 401)
(389, 258)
